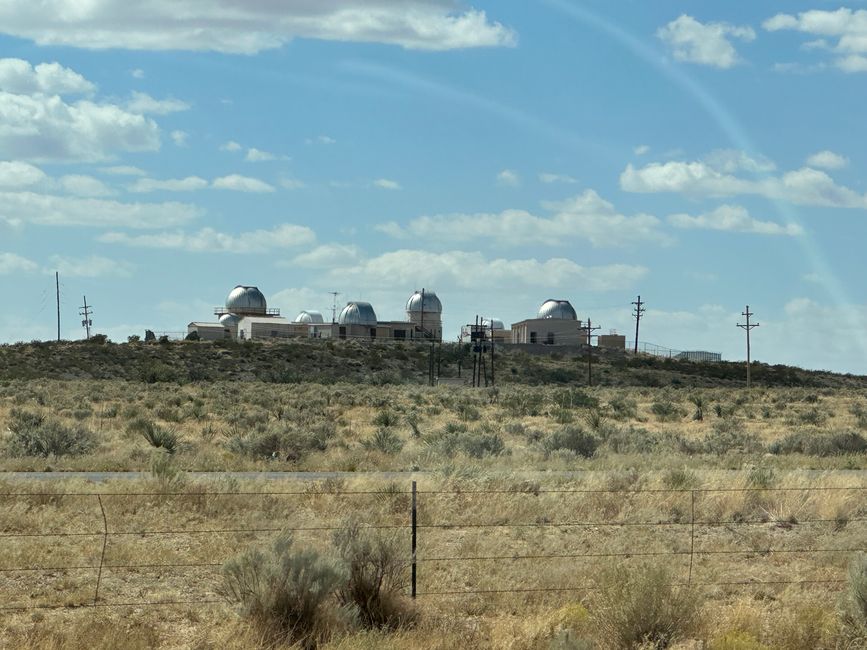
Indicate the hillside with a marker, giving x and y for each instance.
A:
(375, 363)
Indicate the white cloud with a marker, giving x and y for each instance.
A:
(81, 185)
(12, 263)
(46, 128)
(707, 44)
(209, 240)
(386, 184)
(848, 26)
(188, 184)
(734, 218)
(321, 139)
(805, 186)
(326, 256)
(231, 145)
(641, 150)
(137, 73)
(257, 155)
(239, 26)
(180, 138)
(547, 177)
(123, 170)
(239, 183)
(90, 267)
(508, 178)
(21, 78)
(292, 184)
(586, 216)
(461, 270)
(733, 160)
(145, 104)
(16, 174)
(50, 210)
(827, 160)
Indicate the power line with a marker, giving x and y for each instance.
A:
(86, 311)
(748, 326)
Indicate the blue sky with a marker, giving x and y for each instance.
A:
(500, 153)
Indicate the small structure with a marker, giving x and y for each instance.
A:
(425, 311)
(208, 331)
(699, 355)
(556, 323)
(612, 340)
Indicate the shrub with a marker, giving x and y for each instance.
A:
(285, 593)
(727, 436)
(822, 445)
(573, 439)
(640, 608)
(156, 435)
(666, 411)
(386, 418)
(376, 566)
(680, 479)
(385, 441)
(479, 445)
(853, 612)
(698, 402)
(33, 435)
(168, 477)
(623, 408)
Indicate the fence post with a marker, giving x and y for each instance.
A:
(691, 535)
(414, 529)
(104, 544)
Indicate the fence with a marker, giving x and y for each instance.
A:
(79, 547)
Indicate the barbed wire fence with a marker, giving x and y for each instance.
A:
(418, 526)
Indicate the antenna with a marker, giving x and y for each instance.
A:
(86, 312)
(638, 312)
(748, 326)
(334, 295)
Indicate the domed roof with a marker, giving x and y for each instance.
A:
(559, 309)
(246, 300)
(496, 322)
(357, 313)
(230, 320)
(309, 316)
(432, 304)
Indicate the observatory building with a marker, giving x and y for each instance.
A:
(555, 324)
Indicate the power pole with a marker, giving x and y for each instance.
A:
(492, 352)
(637, 312)
(57, 286)
(86, 312)
(334, 295)
(474, 341)
(421, 327)
(590, 329)
(748, 326)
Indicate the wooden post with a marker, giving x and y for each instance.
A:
(414, 537)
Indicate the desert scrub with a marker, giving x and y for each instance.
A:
(384, 440)
(156, 436)
(35, 435)
(666, 411)
(820, 444)
(287, 594)
(853, 607)
(638, 607)
(573, 439)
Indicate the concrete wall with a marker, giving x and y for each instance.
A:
(617, 341)
(548, 331)
(208, 331)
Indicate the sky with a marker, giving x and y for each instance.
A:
(703, 155)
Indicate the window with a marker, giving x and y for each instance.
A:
(532, 337)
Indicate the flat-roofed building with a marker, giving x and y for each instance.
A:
(555, 324)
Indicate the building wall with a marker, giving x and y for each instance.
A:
(617, 341)
(548, 331)
(208, 331)
(432, 323)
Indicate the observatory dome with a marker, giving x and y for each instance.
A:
(230, 320)
(494, 323)
(559, 309)
(432, 304)
(246, 300)
(309, 316)
(357, 313)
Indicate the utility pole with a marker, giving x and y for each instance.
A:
(474, 341)
(57, 286)
(637, 312)
(334, 295)
(86, 312)
(421, 327)
(590, 329)
(748, 326)
(492, 351)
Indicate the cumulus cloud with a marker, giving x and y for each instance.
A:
(145, 104)
(238, 26)
(704, 43)
(827, 160)
(22, 78)
(586, 216)
(15, 174)
(180, 138)
(461, 270)
(805, 186)
(548, 177)
(326, 256)
(90, 267)
(238, 183)
(81, 185)
(641, 150)
(257, 155)
(848, 26)
(508, 178)
(386, 184)
(188, 184)
(13, 263)
(231, 145)
(734, 218)
(208, 240)
(50, 210)
(123, 170)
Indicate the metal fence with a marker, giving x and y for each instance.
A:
(441, 529)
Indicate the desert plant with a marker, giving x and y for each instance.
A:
(385, 441)
(666, 411)
(853, 608)
(573, 439)
(157, 436)
(167, 476)
(386, 418)
(376, 566)
(285, 593)
(698, 402)
(641, 608)
(34, 435)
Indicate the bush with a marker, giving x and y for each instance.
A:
(573, 439)
(480, 445)
(33, 435)
(725, 437)
(822, 445)
(666, 411)
(285, 593)
(385, 441)
(166, 474)
(386, 418)
(156, 435)
(853, 612)
(640, 608)
(376, 565)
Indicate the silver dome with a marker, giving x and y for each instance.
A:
(496, 322)
(230, 320)
(559, 309)
(246, 300)
(309, 316)
(357, 313)
(432, 304)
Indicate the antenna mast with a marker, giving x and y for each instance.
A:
(334, 295)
